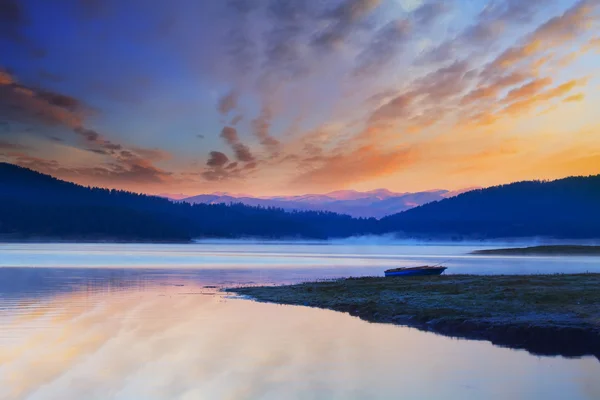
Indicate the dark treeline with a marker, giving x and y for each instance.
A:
(33, 205)
(565, 208)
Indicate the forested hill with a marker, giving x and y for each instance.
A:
(565, 208)
(34, 205)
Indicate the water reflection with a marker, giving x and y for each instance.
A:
(169, 334)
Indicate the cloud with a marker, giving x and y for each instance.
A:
(343, 21)
(32, 106)
(228, 103)
(492, 90)
(283, 42)
(6, 145)
(512, 10)
(528, 90)
(239, 43)
(5, 78)
(488, 28)
(574, 98)
(593, 44)
(129, 170)
(428, 13)
(285, 69)
(216, 174)
(28, 105)
(236, 120)
(385, 45)
(89, 134)
(569, 25)
(362, 164)
(23, 104)
(219, 168)
(551, 34)
(428, 91)
(60, 100)
(528, 99)
(242, 152)
(523, 106)
(95, 138)
(261, 126)
(562, 89)
(217, 159)
(398, 107)
(518, 69)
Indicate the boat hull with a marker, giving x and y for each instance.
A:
(417, 272)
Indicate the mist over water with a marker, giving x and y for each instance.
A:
(281, 261)
(100, 321)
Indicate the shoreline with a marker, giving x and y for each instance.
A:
(550, 250)
(550, 315)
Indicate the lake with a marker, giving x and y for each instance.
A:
(147, 321)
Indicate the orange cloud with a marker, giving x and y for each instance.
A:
(492, 90)
(528, 90)
(537, 65)
(514, 55)
(574, 98)
(22, 104)
(521, 107)
(364, 163)
(552, 34)
(5, 78)
(563, 89)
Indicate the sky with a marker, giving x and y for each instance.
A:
(275, 97)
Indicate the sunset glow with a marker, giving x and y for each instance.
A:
(291, 97)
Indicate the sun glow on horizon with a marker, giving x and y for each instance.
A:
(271, 99)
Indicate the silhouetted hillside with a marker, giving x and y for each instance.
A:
(34, 205)
(565, 208)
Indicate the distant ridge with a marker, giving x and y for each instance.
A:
(375, 203)
(38, 206)
(563, 208)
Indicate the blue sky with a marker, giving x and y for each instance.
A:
(317, 96)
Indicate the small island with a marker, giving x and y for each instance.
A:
(543, 314)
(554, 250)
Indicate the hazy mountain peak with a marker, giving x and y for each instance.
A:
(376, 203)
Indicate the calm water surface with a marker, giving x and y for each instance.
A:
(103, 321)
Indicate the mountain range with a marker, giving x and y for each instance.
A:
(375, 203)
(38, 206)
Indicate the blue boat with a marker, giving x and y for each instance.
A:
(416, 271)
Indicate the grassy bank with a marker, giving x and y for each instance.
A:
(544, 314)
(556, 250)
